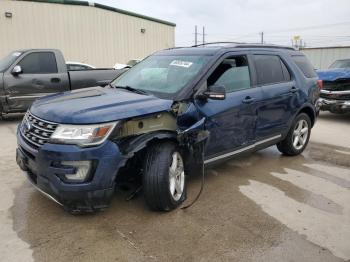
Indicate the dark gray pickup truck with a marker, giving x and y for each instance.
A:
(29, 74)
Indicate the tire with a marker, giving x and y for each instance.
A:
(1, 112)
(164, 184)
(296, 139)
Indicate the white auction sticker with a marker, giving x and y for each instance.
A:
(181, 63)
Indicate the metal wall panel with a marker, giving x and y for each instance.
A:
(84, 34)
(322, 58)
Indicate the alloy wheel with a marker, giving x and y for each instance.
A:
(300, 134)
(176, 176)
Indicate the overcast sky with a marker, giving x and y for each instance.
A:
(317, 22)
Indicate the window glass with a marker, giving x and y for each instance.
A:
(163, 75)
(8, 60)
(39, 63)
(74, 67)
(285, 71)
(232, 73)
(341, 64)
(304, 65)
(268, 69)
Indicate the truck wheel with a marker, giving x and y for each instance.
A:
(1, 112)
(298, 136)
(164, 183)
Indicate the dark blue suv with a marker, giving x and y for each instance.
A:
(177, 110)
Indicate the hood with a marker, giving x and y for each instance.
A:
(333, 74)
(96, 105)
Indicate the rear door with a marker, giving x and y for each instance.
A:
(232, 121)
(279, 94)
(40, 76)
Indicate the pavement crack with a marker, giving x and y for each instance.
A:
(133, 245)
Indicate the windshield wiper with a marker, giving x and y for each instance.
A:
(131, 89)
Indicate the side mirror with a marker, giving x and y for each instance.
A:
(215, 92)
(17, 70)
(103, 83)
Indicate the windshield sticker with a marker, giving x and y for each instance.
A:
(16, 54)
(181, 63)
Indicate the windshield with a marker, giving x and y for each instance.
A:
(8, 60)
(162, 75)
(341, 64)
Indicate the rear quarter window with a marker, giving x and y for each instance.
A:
(304, 65)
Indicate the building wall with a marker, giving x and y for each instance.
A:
(83, 33)
(322, 58)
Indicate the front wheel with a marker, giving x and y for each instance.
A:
(298, 136)
(164, 182)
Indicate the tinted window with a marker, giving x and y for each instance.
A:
(269, 69)
(285, 71)
(39, 63)
(232, 73)
(304, 65)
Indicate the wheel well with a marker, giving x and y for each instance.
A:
(135, 161)
(308, 110)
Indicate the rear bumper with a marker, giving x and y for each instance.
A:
(40, 166)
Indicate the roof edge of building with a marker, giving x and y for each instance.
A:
(324, 47)
(105, 7)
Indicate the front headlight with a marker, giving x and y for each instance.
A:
(82, 135)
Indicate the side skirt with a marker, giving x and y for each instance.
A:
(252, 147)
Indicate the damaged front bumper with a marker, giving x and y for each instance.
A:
(334, 105)
(335, 101)
(43, 169)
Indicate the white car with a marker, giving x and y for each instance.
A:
(74, 66)
(129, 64)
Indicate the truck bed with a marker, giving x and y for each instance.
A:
(84, 78)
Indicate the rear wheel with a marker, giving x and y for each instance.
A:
(164, 182)
(298, 136)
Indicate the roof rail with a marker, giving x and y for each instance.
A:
(213, 43)
(247, 45)
(265, 46)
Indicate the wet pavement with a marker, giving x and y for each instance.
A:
(261, 207)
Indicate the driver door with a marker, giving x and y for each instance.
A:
(232, 121)
(39, 77)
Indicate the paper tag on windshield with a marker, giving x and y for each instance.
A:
(181, 63)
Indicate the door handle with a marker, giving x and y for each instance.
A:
(293, 89)
(55, 80)
(248, 100)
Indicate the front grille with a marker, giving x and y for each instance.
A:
(335, 96)
(36, 131)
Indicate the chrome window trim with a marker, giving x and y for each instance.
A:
(235, 152)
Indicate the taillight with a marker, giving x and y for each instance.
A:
(320, 84)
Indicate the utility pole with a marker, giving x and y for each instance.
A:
(203, 35)
(195, 35)
(262, 37)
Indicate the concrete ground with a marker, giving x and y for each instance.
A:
(262, 207)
